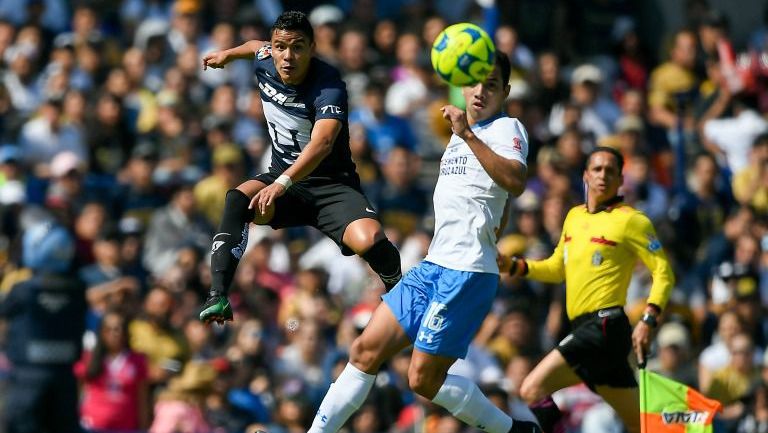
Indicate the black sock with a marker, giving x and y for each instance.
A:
(547, 413)
(230, 240)
(384, 259)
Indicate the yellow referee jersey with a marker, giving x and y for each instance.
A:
(596, 255)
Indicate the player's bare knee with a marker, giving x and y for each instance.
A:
(530, 391)
(363, 358)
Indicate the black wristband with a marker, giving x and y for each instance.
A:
(513, 269)
(650, 320)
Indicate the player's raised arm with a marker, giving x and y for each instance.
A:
(320, 145)
(218, 59)
(509, 174)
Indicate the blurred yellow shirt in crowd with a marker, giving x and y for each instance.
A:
(745, 192)
(209, 198)
(666, 80)
(729, 385)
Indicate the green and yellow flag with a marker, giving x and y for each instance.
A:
(667, 406)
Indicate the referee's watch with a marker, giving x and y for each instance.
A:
(650, 320)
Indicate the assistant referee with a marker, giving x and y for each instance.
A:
(597, 252)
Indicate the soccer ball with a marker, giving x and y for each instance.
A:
(463, 54)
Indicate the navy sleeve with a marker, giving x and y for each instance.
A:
(331, 101)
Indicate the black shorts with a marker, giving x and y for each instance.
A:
(598, 348)
(328, 204)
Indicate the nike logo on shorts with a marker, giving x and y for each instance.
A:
(367, 209)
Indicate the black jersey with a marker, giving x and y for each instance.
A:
(291, 112)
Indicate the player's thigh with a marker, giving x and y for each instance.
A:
(626, 403)
(292, 209)
(457, 306)
(345, 215)
(250, 188)
(381, 339)
(549, 375)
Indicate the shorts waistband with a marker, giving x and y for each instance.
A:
(602, 313)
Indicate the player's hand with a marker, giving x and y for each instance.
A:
(641, 340)
(266, 197)
(504, 262)
(458, 119)
(215, 60)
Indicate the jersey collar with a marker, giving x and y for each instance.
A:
(607, 205)
(487, 121)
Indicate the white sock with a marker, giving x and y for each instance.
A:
(466, 402)
(343, 398)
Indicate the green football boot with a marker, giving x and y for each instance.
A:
(216, 309)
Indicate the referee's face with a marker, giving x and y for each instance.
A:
(602, 176)
(292, 52)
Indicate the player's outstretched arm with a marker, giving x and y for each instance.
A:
(219, 59)
(507, 173)
(320, 145)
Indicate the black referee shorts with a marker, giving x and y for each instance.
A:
(328, 204)
(598, 348)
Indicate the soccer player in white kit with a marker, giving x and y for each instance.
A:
(439, 305)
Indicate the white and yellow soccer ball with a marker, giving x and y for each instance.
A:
(463, 54)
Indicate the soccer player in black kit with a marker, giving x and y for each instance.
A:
(311, 179)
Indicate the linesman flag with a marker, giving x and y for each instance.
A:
(667, 406)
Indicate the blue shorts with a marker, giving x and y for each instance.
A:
(441, 309)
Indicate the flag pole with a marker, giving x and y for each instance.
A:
(644, 389)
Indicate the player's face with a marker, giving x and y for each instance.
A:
(291, 52)
(485, 99)
(602, 176)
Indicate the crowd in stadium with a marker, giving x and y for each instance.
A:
(109, 125)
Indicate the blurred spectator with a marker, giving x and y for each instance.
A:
(108, 136)
(672, 361)
(594, 114)
(730, 138)
(179, 408)
(153, 335)
(115, 389)
(642, 191)
(737, 379)
(107, 286)
(549, 88)
(717, 355)
(750, 185)
(49, 134)
(172, 227)
(227, 174)
(384, 131)
(508, 42)
(400, 201)
(675, 77)
(45, 325)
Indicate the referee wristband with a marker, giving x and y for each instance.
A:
(284, 180)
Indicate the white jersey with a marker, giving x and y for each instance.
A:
(468, 203)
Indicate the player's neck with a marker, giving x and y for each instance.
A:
(471, 121)
(595, 204)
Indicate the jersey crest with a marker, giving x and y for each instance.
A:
(264, 52)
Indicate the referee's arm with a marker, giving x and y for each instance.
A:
(642, 239)
(551, 269)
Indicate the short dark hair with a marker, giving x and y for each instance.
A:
(619, 157)
(294, 21)
(504, 65)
